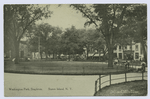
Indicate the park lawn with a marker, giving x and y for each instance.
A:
(132, 88)
(62, 68)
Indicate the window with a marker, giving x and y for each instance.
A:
(136, 47)
(120, 55)
(125, 47)
(115, 48)
(130, 47)
(136, 55)
(119, 48)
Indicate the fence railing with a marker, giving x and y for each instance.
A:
(83, 70)
(99, 82)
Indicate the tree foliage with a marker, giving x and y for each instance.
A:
(71, 41)
(48, 37)
(136, 26)
(107, 18)
(19, 19)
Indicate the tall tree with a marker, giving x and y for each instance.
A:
(92, 39)
(18, 20)
(55, 42)
(107, 18)
(48, 37)
(136, 26)
(71, 42)
(44, 33)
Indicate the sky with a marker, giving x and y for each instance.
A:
(64, 17)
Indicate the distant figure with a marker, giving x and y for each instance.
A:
(127, 64)
(116, 61)
(140, 59)
(143, 67)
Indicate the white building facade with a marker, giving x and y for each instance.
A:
(135, 52)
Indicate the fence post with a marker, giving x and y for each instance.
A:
(95, 86)
(125, 77)
(99, 82)
(110, 79)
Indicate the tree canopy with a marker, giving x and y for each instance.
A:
(19, 19)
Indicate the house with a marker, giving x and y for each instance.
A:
(24, 50)
(134, 52)
(122, 52)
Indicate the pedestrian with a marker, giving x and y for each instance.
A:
(140, 58)
(143, 66)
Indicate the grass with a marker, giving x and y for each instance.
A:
(132, 88)
(62, 68)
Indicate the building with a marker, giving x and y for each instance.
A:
(127, 52)
(24, 50)
(135, 52)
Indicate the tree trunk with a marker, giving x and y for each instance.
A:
(41, 55)
(16, 52)
(13, 52)
(110, 57)
(87, 54)
(34, 55)
(99, 54)
(104, 55)
(46, 54)
(142, 43)
(144, 51)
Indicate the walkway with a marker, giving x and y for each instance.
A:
(48, 85)
(53, 85)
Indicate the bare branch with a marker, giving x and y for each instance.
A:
(86, 15)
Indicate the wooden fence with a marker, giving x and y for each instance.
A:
(99, 82)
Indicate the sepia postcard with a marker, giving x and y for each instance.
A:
(61, 50)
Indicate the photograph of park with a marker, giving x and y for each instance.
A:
(75, 50)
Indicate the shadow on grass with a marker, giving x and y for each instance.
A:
(131, 88)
